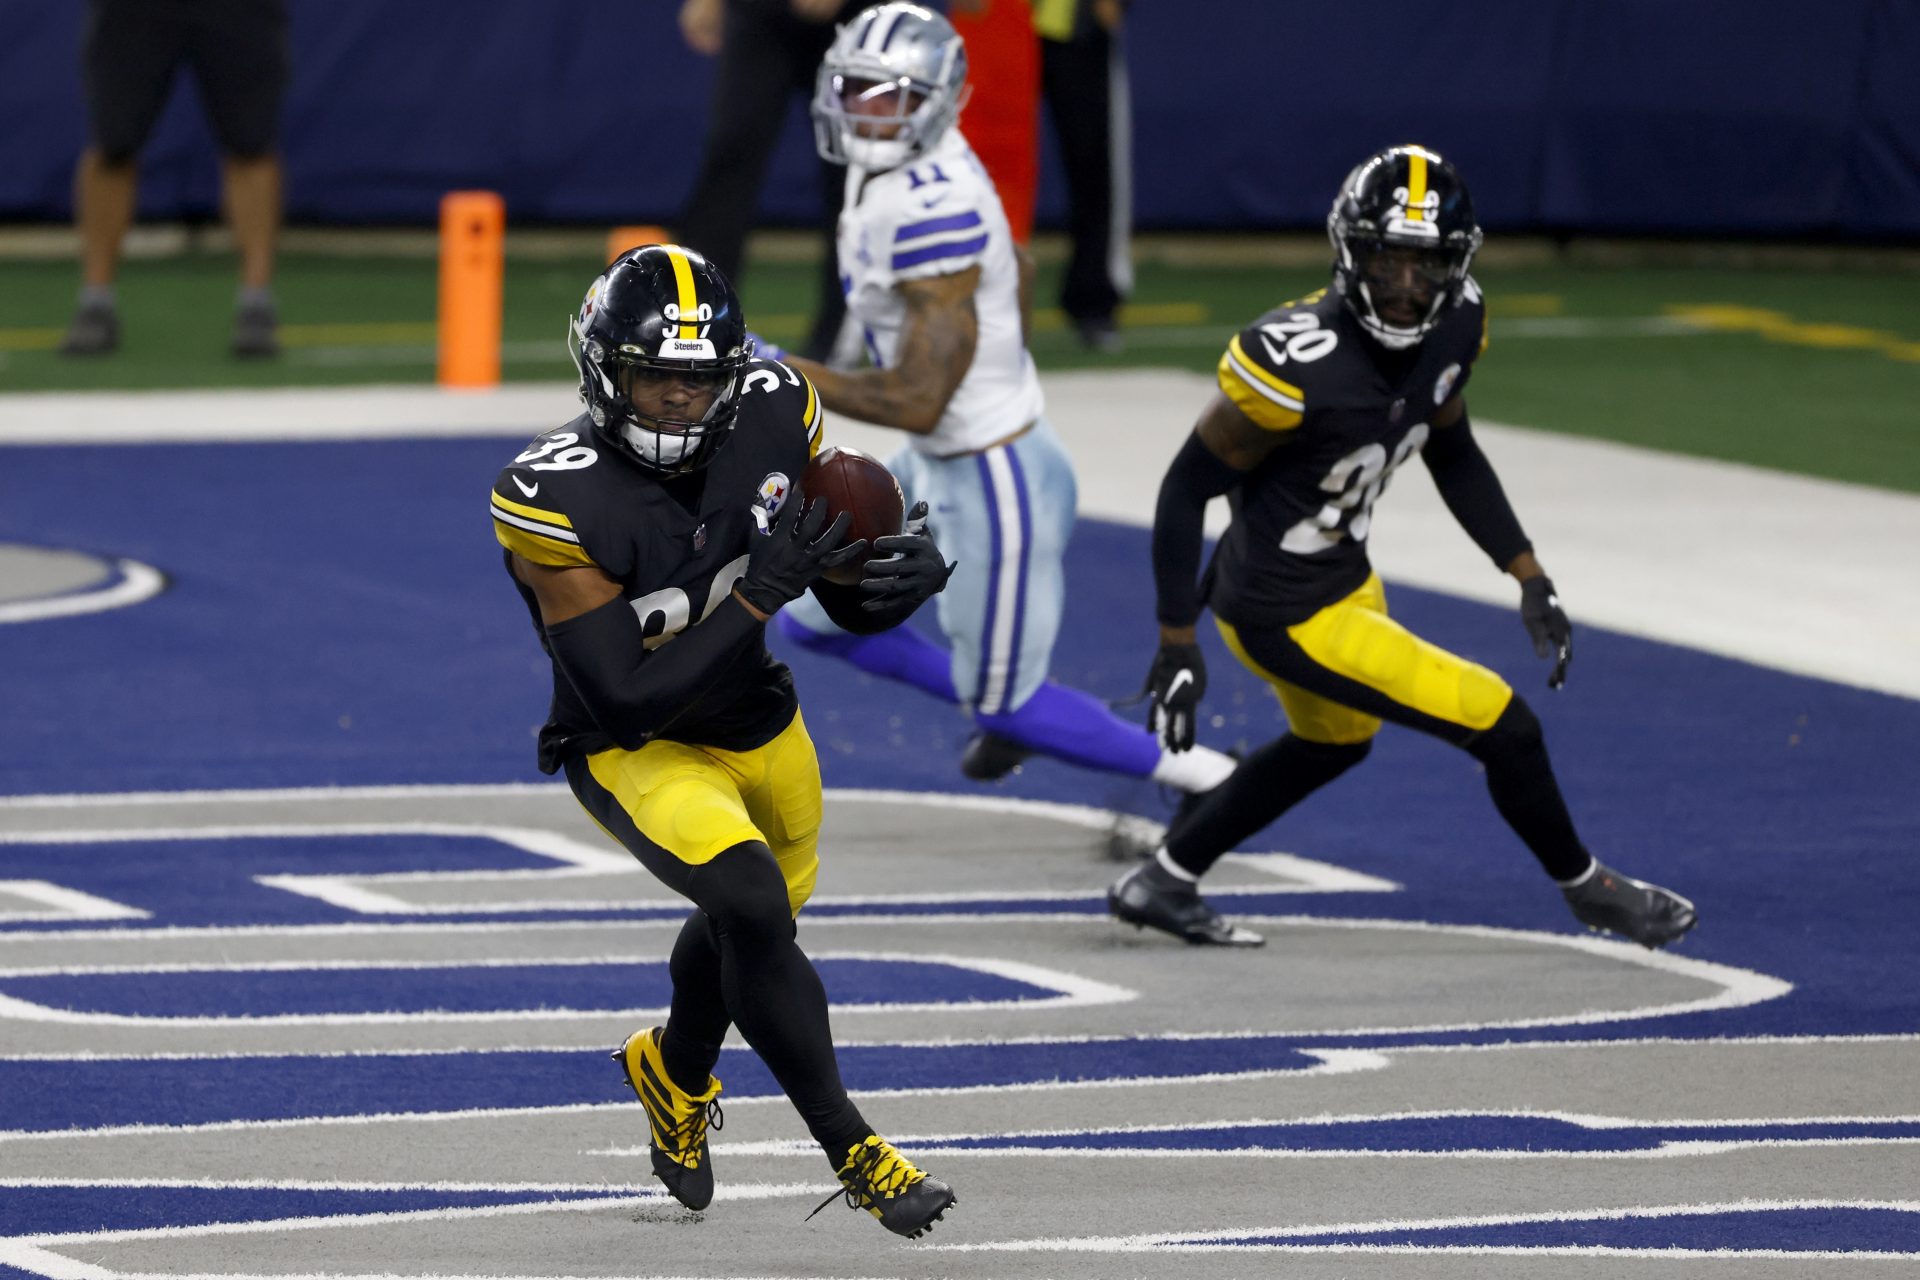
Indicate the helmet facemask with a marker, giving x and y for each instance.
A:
(677, 436)
(1398, 291)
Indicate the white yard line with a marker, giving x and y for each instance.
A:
(1808, 576)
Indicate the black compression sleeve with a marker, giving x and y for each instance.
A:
(842, 604)
(1196, 476)
(1472, 492)
(634, 693)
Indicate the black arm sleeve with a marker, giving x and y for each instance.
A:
(1196, 477)
(634, 693)
(843, 603)
(1472, 492)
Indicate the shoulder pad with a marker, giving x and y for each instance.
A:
(926, 220)
(534, 500)
(786, 397)
(1264, 366)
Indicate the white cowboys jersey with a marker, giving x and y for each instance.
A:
(933, 217)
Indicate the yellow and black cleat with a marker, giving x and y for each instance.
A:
(887, 1185)
(679, 1120)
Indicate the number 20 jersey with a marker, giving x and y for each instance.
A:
(1349, 413)
(676, 545)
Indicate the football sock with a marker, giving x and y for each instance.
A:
(1520, 779)
(1267, 784)
(97, 295)
(1193, 770)
(772, 990)
(1080, 729)
(900, 653)
(1166, 872)
(697, 1019)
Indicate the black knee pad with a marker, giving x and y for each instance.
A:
(744, 894)
(1516, 733)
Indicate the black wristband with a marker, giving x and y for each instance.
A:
(1179, 528)
(1473, 494)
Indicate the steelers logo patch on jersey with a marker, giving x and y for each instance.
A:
(1443, 385)
(766, 503)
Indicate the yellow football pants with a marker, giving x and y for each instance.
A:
(1342, 671)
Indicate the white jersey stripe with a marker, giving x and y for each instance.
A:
(553, 531)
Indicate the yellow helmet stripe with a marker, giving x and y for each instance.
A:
(1416, 185)
(683, 280)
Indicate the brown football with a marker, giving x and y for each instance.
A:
(859, 484)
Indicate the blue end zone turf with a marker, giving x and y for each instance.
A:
(51, 1210)
(1791, 1229)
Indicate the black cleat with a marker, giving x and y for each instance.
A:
(678, 1120)
(1605, 900)
(95, 331)
(887, 1185)
(989, 757)
(1143, 900)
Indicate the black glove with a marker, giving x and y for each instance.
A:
(913, 572)
(798, 547)
(1547, 624)
(1175, 685)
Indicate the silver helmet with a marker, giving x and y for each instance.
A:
(890, 87)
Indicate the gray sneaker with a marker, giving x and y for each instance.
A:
(95, 331)
(256, 331)
(1605, 900)
(1143, 899)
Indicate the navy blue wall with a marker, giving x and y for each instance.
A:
(1789, 117)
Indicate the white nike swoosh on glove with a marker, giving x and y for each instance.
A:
(1180, 677)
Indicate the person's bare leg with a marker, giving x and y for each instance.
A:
(252, 188)
(103, 198)
(103, 202)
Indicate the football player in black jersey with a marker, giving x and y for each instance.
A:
(1320, 400)
(651, 538)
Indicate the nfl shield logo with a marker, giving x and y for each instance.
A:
(700, 538)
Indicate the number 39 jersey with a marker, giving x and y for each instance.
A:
(676, 545)
(1349, 412)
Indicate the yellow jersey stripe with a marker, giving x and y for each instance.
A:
(683, 281)
(1485, 333)
(533, 513)
(1255, 402)
(816, 419)
(1288, 394)
(1416, 185)
(539, 547)
(552, 532)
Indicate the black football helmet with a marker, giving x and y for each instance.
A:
(1403, 207)
(660, 309)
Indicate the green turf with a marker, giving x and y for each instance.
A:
(1844, 413)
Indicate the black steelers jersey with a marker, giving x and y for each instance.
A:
(676, 545)
(1350, 412)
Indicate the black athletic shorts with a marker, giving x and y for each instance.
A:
(238, 51)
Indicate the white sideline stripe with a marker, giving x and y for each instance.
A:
(62, 903)
(137, 582)
(1217, 1240)
(1665, 1151)
(731, 1191)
